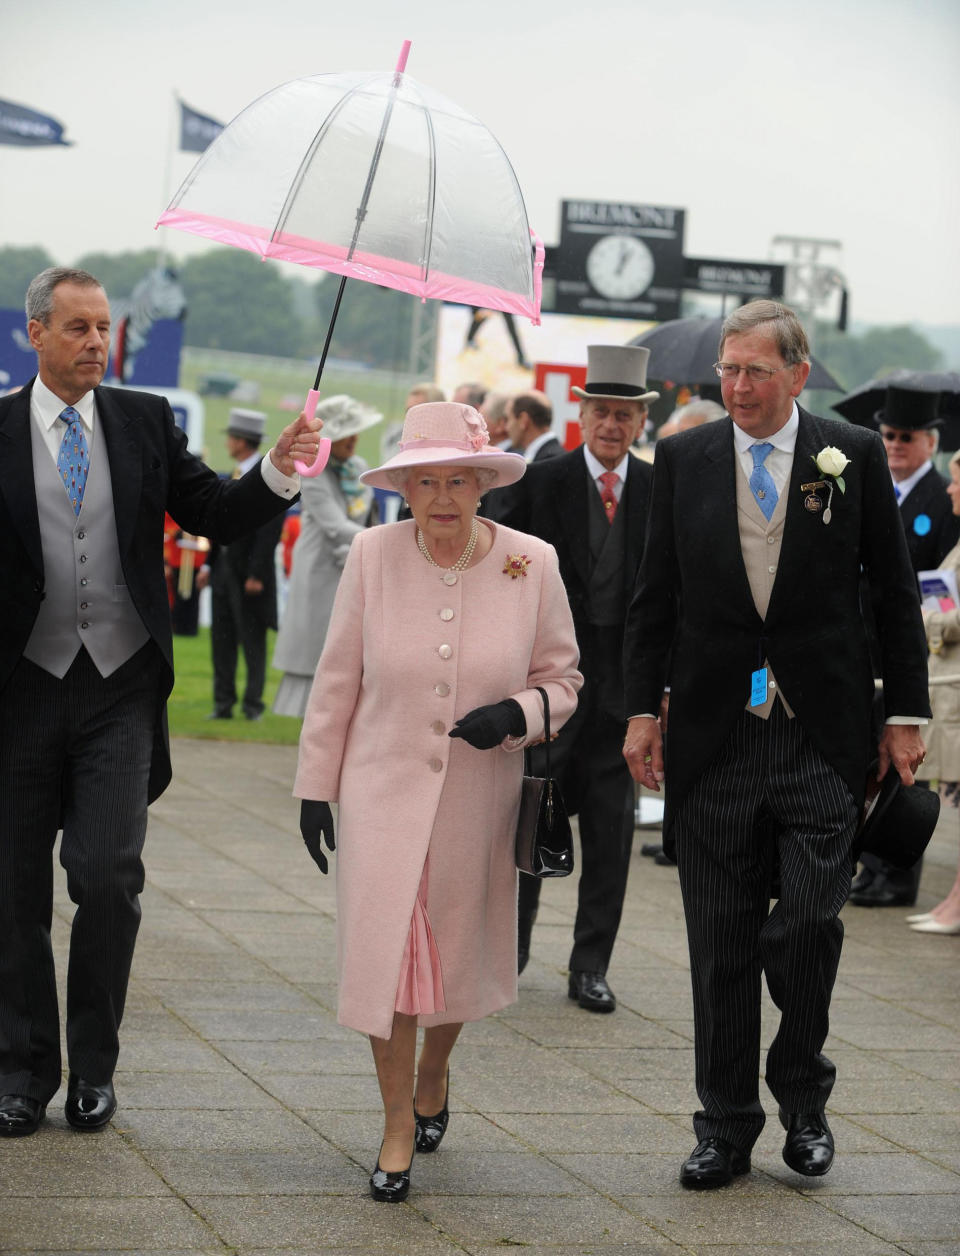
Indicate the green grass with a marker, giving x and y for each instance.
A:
(192, 699)
(292, 379)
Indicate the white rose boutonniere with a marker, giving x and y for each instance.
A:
(832, 461)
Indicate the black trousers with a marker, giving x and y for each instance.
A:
(74, 754)
(769, 791)
(587, 757)
(236, 623)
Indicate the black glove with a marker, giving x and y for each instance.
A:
(486, 726)
(316, 822)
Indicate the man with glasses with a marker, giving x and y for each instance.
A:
(747, 606)
(591, 505)
(909, 425)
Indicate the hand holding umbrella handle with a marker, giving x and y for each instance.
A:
(311, 469)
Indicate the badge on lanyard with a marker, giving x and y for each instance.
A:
(758, 687)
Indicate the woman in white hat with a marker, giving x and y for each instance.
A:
(335, 506)
(423, 698)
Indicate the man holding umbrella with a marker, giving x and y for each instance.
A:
(909, 426)
(86, 665)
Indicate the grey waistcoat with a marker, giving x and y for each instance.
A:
(86, 601)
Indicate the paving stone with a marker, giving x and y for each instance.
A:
(249, 1119)
(217, 1130)
(64, 1223)
(222, 1090)
(933, 1217)
(769, 1215)
(250, 1172)
(267, 995)
(57, 1161)
(516, 1220)
(320, 1222)
(626, 1133)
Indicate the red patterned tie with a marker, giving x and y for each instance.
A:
(609, 480)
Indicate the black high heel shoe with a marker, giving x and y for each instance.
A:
(431, 1129)
(388, 1187)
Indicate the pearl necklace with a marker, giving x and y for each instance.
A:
(464, 558)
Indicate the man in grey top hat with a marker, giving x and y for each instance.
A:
(244, 588)
(591, 505)
(86, 664)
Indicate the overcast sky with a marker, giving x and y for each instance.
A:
(834, 119)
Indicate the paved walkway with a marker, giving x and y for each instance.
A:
(248, 1119)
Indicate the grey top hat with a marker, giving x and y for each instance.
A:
(617, 372)
(247, 424)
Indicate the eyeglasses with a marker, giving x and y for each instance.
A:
(756, 374)
(892, 437)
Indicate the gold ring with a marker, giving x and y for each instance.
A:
(648, 758)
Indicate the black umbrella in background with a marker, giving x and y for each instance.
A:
(860, 405)
(684, 350)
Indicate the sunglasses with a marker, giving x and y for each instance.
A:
(892, 437)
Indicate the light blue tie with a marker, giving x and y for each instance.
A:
(73, 460)
(761, 481)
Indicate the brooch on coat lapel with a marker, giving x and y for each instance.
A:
(516, 566)
(831, 462)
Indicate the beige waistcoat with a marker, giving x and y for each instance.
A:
(760, 541)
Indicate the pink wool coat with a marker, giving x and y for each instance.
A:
(406, 655)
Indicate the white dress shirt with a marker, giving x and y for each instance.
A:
(596, 469)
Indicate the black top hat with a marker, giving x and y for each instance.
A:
(909, 408)
(898, 819)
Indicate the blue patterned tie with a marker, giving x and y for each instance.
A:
(73, 460)
(761, 481)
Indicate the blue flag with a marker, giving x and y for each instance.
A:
(27, 128)
(197, 131)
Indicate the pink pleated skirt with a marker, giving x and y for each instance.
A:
(420, 989)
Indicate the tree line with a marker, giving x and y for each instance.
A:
(236, 301)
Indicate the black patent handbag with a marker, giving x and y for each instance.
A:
(544, 844)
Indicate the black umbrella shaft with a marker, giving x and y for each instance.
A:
(326, 343)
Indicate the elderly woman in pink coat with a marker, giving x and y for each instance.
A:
(414, 727)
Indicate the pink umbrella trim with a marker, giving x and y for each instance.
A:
(370, 267)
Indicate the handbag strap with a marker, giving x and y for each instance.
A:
(546, 728)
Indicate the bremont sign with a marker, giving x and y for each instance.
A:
(618, 260)
(742, 279)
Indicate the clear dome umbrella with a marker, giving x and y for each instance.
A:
(371, 176)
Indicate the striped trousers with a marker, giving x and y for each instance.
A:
(768, 802)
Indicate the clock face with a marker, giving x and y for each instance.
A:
(620, 267)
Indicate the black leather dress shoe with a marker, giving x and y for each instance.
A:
(712, 1163)
(390, 1188)
(664, 860)
(864, 878)
(592, 992)
(882, 892)
(651, 849)
(808, 1148)
(431, 1129)
(89, 1107)
(19, 1115)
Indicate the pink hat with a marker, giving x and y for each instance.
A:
(440, 433)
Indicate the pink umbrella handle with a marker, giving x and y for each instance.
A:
(323, 453)
(402, 59)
